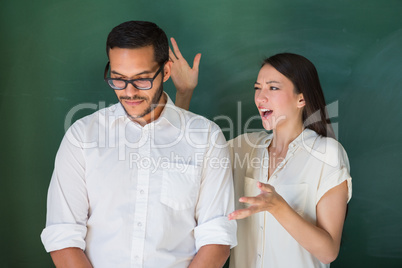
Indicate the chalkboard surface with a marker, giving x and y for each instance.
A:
(53, 55)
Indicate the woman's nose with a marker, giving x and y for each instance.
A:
(261, 95)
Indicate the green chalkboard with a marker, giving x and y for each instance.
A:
(53, 55)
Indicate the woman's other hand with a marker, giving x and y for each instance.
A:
(269, 200)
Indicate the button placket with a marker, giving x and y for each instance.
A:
(265, 166)
(141, 201)
(260, 250)
(281, 166)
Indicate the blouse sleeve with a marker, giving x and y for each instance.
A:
(334, 180)
(338, 173)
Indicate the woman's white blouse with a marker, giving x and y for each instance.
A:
(312, 166)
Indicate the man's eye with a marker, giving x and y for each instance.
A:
(257, 88)
(274, 88)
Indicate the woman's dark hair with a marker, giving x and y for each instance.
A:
(305, 79)
(138, 34)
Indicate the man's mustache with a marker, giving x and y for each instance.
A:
(133, 98)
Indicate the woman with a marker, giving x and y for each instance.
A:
(294, 188)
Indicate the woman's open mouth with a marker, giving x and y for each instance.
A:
(265, 113)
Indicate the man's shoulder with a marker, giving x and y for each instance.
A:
(193, 120)
(98, 116)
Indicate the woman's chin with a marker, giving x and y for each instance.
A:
(267, 125)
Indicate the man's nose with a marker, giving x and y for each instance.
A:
(131, 90)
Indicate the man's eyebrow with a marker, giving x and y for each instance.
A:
(144, 72)
(114, 72)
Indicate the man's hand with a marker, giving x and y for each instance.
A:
(183, 76)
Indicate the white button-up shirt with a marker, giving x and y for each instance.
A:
(133, 196)
(312, 166)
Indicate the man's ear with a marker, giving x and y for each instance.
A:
(301, 102)
(167, 70)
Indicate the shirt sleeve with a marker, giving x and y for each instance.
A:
(216, 199)
(339, 174)
(67, 203)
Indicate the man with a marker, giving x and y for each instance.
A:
(142, 183)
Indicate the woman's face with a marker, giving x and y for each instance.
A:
(276, 100)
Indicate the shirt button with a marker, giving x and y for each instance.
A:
(142, 192)
(137, 258)
(259, 255)
(139, 224)
(261, 227)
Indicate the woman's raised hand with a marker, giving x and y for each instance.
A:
(184, 77)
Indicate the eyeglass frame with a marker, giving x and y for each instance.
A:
(107, 79)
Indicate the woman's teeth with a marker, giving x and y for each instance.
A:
(265, 112)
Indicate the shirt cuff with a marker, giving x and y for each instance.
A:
(220, 231)
(59, 236)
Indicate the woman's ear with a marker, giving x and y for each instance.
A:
(301, 102)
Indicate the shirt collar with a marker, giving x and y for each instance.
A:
(307, 136)
(170, 113)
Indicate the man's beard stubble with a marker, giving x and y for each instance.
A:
(154, 103)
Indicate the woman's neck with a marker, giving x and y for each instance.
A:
(284, 135)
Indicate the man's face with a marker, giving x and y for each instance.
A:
(142, 106)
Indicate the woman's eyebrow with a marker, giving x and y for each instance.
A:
(269, 82)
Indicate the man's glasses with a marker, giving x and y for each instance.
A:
(141, 83)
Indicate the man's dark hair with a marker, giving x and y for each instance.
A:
(138, 34)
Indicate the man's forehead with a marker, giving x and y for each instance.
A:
(132, 58)
(132, 52)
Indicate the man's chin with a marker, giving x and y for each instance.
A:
(134, 116)
(133, 112)
(138, 116)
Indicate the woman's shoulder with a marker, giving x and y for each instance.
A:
(326, 149)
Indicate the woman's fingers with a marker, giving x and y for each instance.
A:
(262, 202)
(196, 61)
(176, 48)
(176, 56)
(243, 213)
(249, 200)
(172, 56)
(265, 187)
